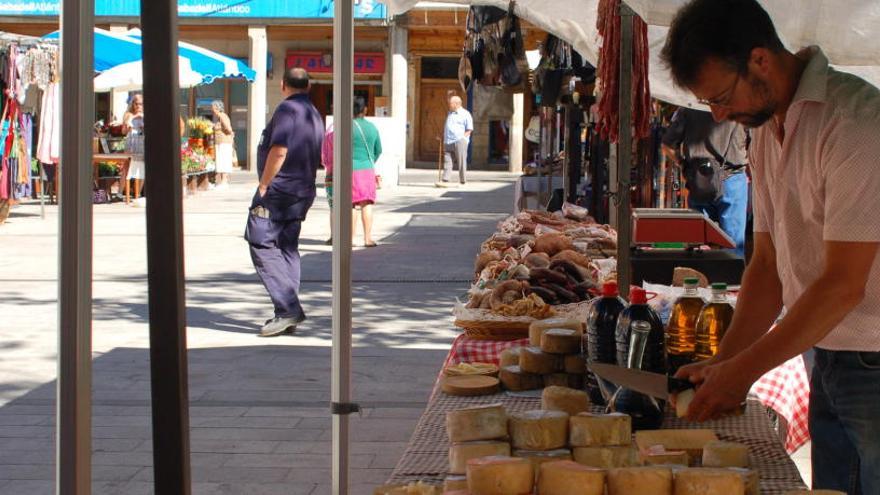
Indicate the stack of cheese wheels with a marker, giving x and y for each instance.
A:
(538, 430)
(476, 432)
(602, 440)
(553, 357)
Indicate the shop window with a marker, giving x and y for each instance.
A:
(440, 67)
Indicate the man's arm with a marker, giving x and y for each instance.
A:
(274, 161)
(826, 302)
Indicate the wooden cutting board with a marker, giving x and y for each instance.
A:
(469, 385)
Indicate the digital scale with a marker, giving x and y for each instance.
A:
(667, 238)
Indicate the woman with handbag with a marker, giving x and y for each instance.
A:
(366, 148)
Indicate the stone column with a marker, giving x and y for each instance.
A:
(400, 87)
(515, 148)
(258, 52)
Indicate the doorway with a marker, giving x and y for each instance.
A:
(433, 108)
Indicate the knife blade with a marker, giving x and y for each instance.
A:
(645, 382)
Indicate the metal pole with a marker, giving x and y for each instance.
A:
(624, 150)
(165, 272)
(343, 87)
(74, 401)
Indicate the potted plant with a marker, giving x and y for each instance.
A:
(198, 129)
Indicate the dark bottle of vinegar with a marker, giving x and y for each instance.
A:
(601, 326)
(654, 358)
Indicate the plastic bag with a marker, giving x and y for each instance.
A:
(575, 212)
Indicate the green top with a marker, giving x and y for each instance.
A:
(365, 144)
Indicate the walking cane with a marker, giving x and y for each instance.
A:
(440, 182)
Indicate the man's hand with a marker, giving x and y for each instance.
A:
(721, 388)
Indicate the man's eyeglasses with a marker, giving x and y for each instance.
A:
(723, 99)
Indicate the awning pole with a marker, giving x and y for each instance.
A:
(73, 456)
(165, 271)
(343, 87)
(624, 150)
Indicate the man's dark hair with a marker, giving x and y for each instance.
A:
(724, 29)
(360, 105)
(296, 78)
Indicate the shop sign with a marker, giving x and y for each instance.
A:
(292, 9)
(317, 62)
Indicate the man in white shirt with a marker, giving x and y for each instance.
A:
(814, 161)
(456, 137)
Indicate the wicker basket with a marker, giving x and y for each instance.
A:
(483, 324)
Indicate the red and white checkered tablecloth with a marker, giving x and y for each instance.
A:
(785, 389)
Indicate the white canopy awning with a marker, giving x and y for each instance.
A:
(847, 30)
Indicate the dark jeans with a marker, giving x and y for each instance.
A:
(845, 421)
(274, 247)
(729, 212)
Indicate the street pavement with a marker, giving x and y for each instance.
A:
(259, 413)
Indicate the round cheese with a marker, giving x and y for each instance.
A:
(599, 430)
(538, 430)
(567, 478)
(814, 492)
(499, 475)
(683, 401)
(538, 457)
(605, 457)
(565, 399)
(509, 357)
(513, 378)
(576, 381)
(575, 364)
(536, 328)
(534, 360)
(561, 341)
(454, 482)
(477, 423)
(753, 480)
(709, 481)
(640, 480)
(725, 454)
(556, 380)
(460, 453)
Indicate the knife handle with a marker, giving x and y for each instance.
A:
(676, 385)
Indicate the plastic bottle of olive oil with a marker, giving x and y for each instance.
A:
(682, 326)
(712, 323)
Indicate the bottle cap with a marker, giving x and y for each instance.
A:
(719, 286)
(637, 295)
(691, 281)
(609, 289)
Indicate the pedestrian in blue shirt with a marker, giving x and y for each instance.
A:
(456, 137)
(287, 162)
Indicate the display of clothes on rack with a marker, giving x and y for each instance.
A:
(27, 64)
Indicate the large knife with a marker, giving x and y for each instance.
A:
(645, 382)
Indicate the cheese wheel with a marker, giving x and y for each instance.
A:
(565, 399)
(536, 328)
(725, 454)
(576, 381)
(513, 378)
(568, 477)
(460, 453)
(669, 457)
(683, 401)
(509, 357)
(640, 480)
(575, 364)
(457, 492)
(605, 457)
(556, 380)
(538, 430)
(752, 479)
(561, 341)
(599, 430)
(709, 481)
(499, 475)
(477, 423)
(534, 360)
(454, 482)
(539, 457)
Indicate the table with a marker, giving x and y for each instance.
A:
(120, 159)
(426, 456)
(785, 389)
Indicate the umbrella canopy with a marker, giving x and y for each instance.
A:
(115, 49)
(130, 76)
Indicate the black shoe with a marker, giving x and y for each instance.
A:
(277, 326)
